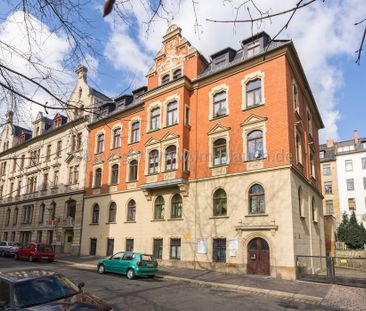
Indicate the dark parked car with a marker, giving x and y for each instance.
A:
(8, 248)
(35, 251)
(44, 290)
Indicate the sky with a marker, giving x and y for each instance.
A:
(324, 35)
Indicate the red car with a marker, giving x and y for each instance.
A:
(35, 251)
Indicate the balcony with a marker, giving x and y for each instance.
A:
(68, 222)
(181, 183)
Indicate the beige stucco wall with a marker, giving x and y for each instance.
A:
(198, 222)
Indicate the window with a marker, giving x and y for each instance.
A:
(129, 245)
(135, 132)
(363, 163)
(158, 248)
(321, 154)
(219, 250)
(45, 181)
(351, 203)
(172, 113)
(117, 138)
(155, 119)
(348, 165)
(187, 115)
(39, 236)
(14, 165)
(254, 93)
(114, 175)
(110, 247)
(175, 249)
(153, 161)
(253, 48)
(131, 211)
(299, 198)
(159, 208)
(298, 147)
(350, 184)
(22, 162)
(328, 188)
(11, 189)
(165, 78)
(133, 170)
(76, 174)
(329, 207)
(171, 158)
(310, 127)
(98, 178)
(311, 164)
(52, 211)
(42, 209)
(58, 149)
(100, 143)
(78, 141)
(219, 152)
(220, 60)
(95, 215)
(177, 73)
(7, 217)
(93, 247)
(15, 216)
(186, 161)
(55, 178)
(219, 203)
(255, 145)
(364, 183)
(326, 170)
(112, 212)
(314, 216)
(176, 211)
(256, 200)
(19, 188)
(295, 95)
(219, 104)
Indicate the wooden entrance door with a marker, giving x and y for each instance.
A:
(258, 257)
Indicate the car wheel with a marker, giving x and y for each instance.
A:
(101, 269)
(130, 274)
(30, 258)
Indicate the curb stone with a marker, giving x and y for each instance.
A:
(233, 287)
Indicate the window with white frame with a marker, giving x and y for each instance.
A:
(310, 126)
(219, 152)
(135, 132)
(311, 163)
(329, 207)
(172, 113)
(300, 202)
(114, 174)
(255, 145)
(219, 104)
(155, 119)
(116, 138)
(171, 158)
(348, 165)
(177, 73)
(295, 95)
(254, 93)
(328, 187)
(363, 163)
(326, 170)
(98, 178)
(186, 161)
(165, 78)
(153, 161)
(350, 184)
(298, 142)
(132, 170)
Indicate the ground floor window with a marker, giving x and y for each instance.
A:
(158, 248)
(13, 236)
(110, 247)
(5, 236)
(50, 237)
(219, 250)
(39, 236)
(93, 247)
(129, 245)
(174, 248)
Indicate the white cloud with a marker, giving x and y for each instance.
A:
(321, 32)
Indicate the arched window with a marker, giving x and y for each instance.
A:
(172, 113)
(256, 200)
(219, 104)
(98, 177)
(112, 212)
(254, 92)
(219, 203)
(176, 211)
(7, 221)
(95, 216)
(42, 208)
(114, 175)
(177, 73)
(117, 138)
(219, 152)
(255, 145)
(131, 210)
(155, 119)
(100, 143)
(15, 216)
(170, 158)
(159, 208)
(153, 161)
(135, 132)
(299, 197)
(52, 211)
(165, 78)
(133, 170)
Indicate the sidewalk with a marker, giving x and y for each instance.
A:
(346, 298)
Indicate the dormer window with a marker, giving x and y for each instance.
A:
(57, 122)
(220, 60)
(253, 48)
(165, 79)
(177, 74)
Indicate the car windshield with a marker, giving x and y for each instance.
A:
(45, 248)
(42, 290)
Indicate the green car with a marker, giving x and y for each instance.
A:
(129, 263)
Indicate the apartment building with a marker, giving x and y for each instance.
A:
(42, 176)
(214, 164)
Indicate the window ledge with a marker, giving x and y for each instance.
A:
(130, 222)
(254, 160)
(171, 125)
(252, 107)
(94, 224)
(157, 220)
(110, 223)
(133, 143)
(175, 219)
(213, 118)
(115, 148)
(218, 217)
(220, 165)
(256, 215)
(302, 217)
(152, 131)
(98, 153)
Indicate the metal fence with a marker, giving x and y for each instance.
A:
(336, 270)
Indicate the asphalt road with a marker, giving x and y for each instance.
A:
(158, 294)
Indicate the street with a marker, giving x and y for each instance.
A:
(158, 294)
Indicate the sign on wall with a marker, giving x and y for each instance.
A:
(202, 246)
(233, 247)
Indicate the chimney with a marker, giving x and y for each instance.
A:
(81, 72)
(330, 143)
(355, 136)
(9, 117)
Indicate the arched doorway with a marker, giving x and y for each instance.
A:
(258, 257)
